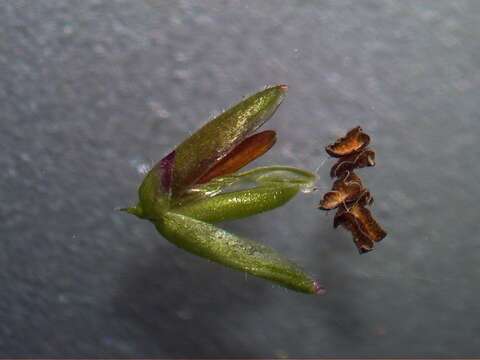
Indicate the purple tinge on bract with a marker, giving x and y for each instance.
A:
(319, 289)
(164, 171)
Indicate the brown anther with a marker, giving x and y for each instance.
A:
(348, 193)
(368, 224)
(365, 198)
(345, 190)
(364, 158)
(350, 223)
(360, 222)
(353, 142)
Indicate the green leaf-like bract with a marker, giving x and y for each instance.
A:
(184, 212)
(198, 153)
(238, 204)
(274, 186)
(213, 243)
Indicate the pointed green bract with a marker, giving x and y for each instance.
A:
(218, 245)
(258, 190)
(198, 153)
(238, 204)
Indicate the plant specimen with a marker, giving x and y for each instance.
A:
(198, 185)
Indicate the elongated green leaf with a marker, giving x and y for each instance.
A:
(218, 245)
(198, 153)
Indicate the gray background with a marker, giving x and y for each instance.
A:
(92, 92)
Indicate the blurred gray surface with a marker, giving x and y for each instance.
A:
(92, 92)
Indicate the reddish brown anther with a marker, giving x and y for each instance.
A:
(248, 150)
(364, 158)
(348, 221)
(365, 198)
(344, 191)
(368, 224)
(348, 193)
(353, 142)
(360, 222)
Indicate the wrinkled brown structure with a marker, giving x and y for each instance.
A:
(348, 195)
(344, 191)
(360, 222)
(353, 142)
(364, 158)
